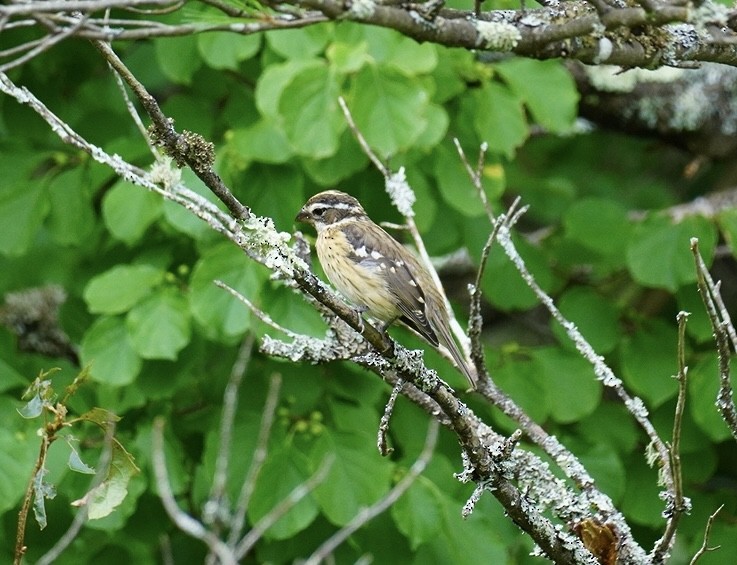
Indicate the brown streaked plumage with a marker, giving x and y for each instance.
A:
(376, 273)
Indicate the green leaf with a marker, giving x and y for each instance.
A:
(221, 315)
(390, 109)
(272, 83)
(111, 492)
(727, 222)
(435, 129)
(349, 159)
(648, 359)
(159, 326)
(129, 210)
(284, 470)
(357, 477)
(244, 437)
(641, 502)
(72, 218)
(178, 57)
(263, 141)
(703, 387)
(599, 224)
(463, 542)
(659, 253)
(118, 289)
(291, 311)
(18, 453)
(184, 220)
(455, 185)
(107, 349)
(547, 89)
(502, 283)
(347, 58)
(575, 393)
(309, 107)
(610, 424)
(522, 380)
(301, 43)
(226, 51)
(699, 326)
(722, 541)
(276, 192)
(499, 119)
(10, 378)
(449, 74)
(596, 318)
(418, 512)
(606, 467)
(103, 418)
(23, 207)
(404, 54)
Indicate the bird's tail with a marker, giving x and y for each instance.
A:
(450, 344)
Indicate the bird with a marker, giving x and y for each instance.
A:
(376, 273)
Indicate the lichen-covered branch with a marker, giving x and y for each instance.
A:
(649, 35)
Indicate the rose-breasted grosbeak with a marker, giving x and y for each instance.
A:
(376, 273)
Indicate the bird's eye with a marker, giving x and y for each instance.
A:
(318, 211)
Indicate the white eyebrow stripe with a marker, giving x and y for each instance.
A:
(335, 205)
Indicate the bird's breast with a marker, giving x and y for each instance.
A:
(363, 285)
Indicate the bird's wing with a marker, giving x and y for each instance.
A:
(376, 249)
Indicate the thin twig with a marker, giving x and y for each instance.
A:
(707, 532)
(257, 463)
(722, 328)
(384, 450)
(181, 519)
(368, 514)
(383, 169)
(214, 505)
(263, 316)
(676, 504)
(134, 114)
(292, 499)
(476, 175)
(44, 45)
(475, 319)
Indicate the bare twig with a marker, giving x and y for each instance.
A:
(257, 462)
(722, 328)
(183, 521)
(368, 514)
(383, 169)
(707, 532)
(263, 316)
(476, 175)
(676, 503)
(213, 509)
(384, 450)
(297, 494)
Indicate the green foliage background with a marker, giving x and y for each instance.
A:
(160, 338)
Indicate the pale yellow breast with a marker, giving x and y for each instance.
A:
(361, 286)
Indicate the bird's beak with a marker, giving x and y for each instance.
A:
(303, 216)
